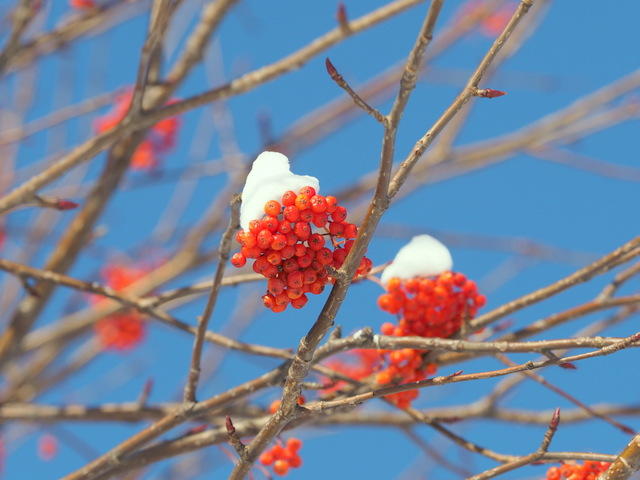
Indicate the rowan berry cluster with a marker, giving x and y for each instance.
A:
(290, 254)
(283, 457)
(161, 137)
(82, 4)
(573, 471)
(430, 307)
(427, 307)
(124, 330)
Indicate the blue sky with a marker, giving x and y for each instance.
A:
(579, 47)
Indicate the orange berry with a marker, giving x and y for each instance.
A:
(279, 241)
(267, 457)
(238, 260)
(272, 208)
(332, 203)
(289, 198)
(280, 467)
(318, 204)
(308, 191)
(300, 301)
(294, 444)
(307, 215)
(302, 202)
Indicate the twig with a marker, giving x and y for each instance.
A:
(223, 258)
(357, 99)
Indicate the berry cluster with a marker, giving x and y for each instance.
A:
(495, 20)
(572, 471)
(364, 363)
(428, 307)
(124, 330)
(82, 4)
(290, 254)
(283, 458)
(47, 447)
(161, 137)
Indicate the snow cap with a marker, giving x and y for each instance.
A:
(423, 256)
(269, 178)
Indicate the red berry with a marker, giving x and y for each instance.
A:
(287, 252)
(268, 300)
(305, 260)
(279, 241)
(294, 293)
(255, 226)
(266, 458)
(300, 250)
(299, 302)
(320, 219)
(295, 279)
(332, 203)
(289, 198)
(272, 208)
(274, 258)
(307, 215)
(318, 204)
(270, 223)
(336, 229)
(339, 214)
(293, 444)
(295, 460)
(282, 299)
(275, 286)
(302, 202)
(292, 238)
(291, 213)
(309, 276)
(350, 230)
(316, 241)
(302, 230)
(238, 260)
(324, 256)
(280, 467)
(339, 255)
(290, 265)
(285, 227)
(264, 239)
(260, 265)
(308, 191)
(253, 252)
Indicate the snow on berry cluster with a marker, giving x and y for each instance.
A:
(573, 471)
(160, 140)
(430, 301)
(289, 244)
(282, 458)
(123, 330)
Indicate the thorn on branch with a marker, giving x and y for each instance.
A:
(488, 93)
